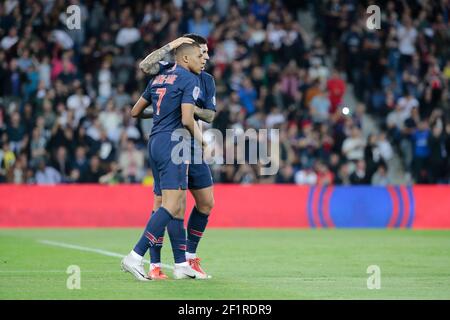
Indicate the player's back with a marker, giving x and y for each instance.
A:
(168, 91)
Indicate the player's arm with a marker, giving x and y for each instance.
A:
(208, 113)
(204, 114)
(141, 109)
(150, 64)
(187, 118)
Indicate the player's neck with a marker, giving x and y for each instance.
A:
(183, 65)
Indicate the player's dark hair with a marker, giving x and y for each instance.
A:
(197, 38)
(186, 46)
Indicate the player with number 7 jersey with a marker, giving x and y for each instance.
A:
(167, 91)
(199, 174)
(173, 94)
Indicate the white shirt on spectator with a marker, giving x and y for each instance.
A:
(396, 118)
(407, 39)
(94, 132)
(10, 5)
(79, 104)
(305, 177)
(132, 132)
(276, 36)
(48, 176)
(127, 36)
(8, 42)
(131, 163)
(62, 38)
(111, 122)
(104, 79)
(353, 148)
(407, 105)
(273, 119)
(256, 37)
(230, 48)
(385, 148)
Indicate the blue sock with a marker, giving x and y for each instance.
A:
(153, 231)
(195, 228)
(177, 235)
(155, 251)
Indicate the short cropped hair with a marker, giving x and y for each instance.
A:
(197, 38)
(186, 47)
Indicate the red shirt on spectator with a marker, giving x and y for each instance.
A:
(325, 177)
(336, 89)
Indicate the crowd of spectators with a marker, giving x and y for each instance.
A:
(66, 95)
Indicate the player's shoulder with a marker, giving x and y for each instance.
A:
(185, 74)
(166, 64)
(207, 76)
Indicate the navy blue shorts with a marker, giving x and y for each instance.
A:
(167, 174)
(199, 175)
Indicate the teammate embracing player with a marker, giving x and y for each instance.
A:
(199, 175)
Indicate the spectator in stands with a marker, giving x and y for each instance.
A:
(421, 152)
(94, 171)
(353, 146)
(360, 176)
(46, 174)
(60, 88)
(61, 163)
(131, 162)
(380, 178)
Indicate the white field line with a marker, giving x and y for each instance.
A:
(94, 250)
(46, 271)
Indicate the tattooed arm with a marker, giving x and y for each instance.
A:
(150, 64)
(204, 114)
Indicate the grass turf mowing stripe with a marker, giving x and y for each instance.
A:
(246, 264)
(94, 250)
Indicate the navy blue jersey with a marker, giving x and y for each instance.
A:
(207, 98)
(167, 91)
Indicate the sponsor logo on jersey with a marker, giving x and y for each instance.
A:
(196, 92)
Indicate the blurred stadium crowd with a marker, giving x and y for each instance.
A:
(65, 95)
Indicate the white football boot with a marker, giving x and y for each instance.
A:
(134, 264)
(185, 271)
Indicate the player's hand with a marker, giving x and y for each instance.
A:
(179, 41)
(204, 146)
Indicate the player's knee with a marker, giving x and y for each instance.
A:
(177, 212)
(180, 214)
(157, 202)
(173, 208)
(206, 205)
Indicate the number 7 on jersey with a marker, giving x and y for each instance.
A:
(160, 92)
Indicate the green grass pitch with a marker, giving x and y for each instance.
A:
(244, 263)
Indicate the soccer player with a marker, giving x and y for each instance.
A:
(173, 94)
(200, 179)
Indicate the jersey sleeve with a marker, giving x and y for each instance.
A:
(147, 95)
(164, 65)
(210, 98)
(191, 89)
